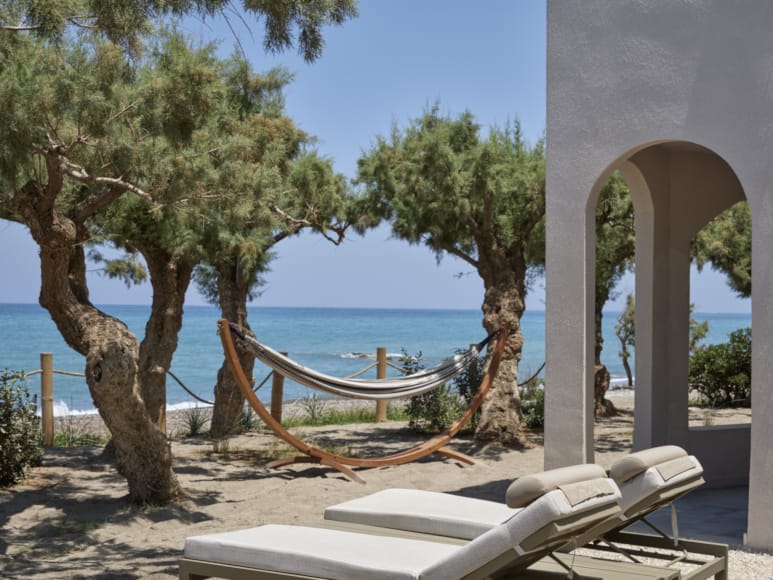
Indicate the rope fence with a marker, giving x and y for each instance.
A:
(47, 372)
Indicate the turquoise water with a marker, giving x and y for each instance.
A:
(331, 340)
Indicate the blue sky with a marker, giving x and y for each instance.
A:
(382, 68)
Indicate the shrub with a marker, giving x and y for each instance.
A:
(721, 373)
(21, 440)
(439, 408)
(534, 410)
(434, 410)
(249, 419)
(430, 411)
(468, 383)
(314, 409)
(195, 419)
(71, 432)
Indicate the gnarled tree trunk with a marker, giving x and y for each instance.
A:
(170, 276)
(142, 453)
(503, 304)
(602, 406)
(233, 290)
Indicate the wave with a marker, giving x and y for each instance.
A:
(62, 409)
(620, 384)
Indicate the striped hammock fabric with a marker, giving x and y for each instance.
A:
(390, 388)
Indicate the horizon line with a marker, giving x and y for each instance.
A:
(416, 308)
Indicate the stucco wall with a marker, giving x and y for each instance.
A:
(623, 76)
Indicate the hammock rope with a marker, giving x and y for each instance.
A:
(380, 389)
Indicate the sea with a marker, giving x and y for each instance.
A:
(335, 341)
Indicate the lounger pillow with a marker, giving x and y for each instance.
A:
(632, 465)
(526, 489)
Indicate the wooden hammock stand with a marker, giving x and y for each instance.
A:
(312, 454)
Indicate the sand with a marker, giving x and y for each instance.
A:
(71, 518)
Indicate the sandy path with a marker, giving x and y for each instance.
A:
(71, 518)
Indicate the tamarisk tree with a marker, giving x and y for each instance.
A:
(72, 147)
(269, 188)
(60, 170)
(439, 183)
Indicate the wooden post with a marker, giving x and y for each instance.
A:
(47, 397)
(381, 373)
(277, 394)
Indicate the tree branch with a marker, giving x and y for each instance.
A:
(76, 21)
(297, 224)
(462, 256)
(18, 28)
(112, 189)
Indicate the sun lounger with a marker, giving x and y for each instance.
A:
(648, 481)
(552, 508)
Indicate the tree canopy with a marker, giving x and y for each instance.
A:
(726, 244)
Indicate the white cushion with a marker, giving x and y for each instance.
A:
(346, 555)
(636, 463)
(427, 512)
(319, 552)
(529, 487)
(652, 480)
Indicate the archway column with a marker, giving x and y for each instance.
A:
(662, 299)
(569, 275)
(760, 530)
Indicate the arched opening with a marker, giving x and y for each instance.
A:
(613, 356)
(677, 188)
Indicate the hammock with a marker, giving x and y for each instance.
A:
(389, 388)
(314, 454)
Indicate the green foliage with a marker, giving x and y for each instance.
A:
(426, 411)
(437, 409)
(533, 396)
(313, 408)
(441, 184)
(624, 329)
(434, 410)
(721, 373)
(615, 239)
(128, 268)
(195, 420)
(21, 440)
(71, 433)
(534, 410)
(726, 244)
(249, 419)
(286, 22)
(698, 331)
(615, 248)
(331, 415)
(467, 384)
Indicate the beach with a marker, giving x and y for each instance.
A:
(71, 518)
